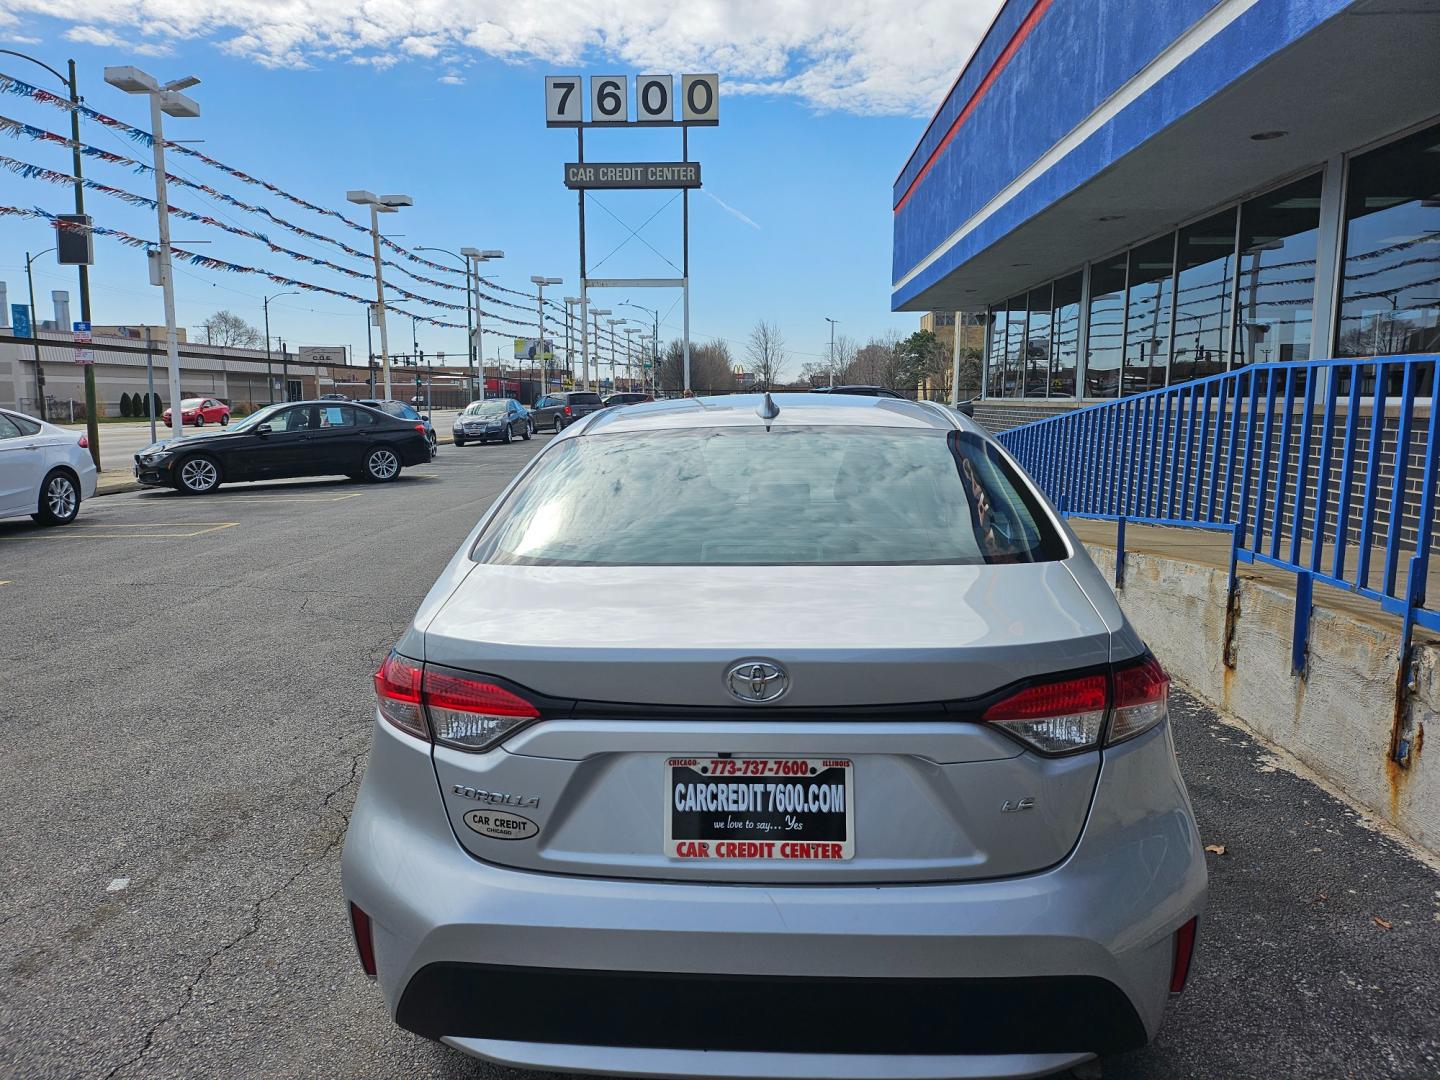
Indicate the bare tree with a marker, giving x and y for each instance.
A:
(711, 368)
(230, 330)
(876, 363)
(766, 352)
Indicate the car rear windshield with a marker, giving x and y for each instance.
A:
(584, 399)
(811, 496)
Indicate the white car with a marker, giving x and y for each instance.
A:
(45, 471)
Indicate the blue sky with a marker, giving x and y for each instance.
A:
(793, 223)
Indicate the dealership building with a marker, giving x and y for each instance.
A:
(1134, 194)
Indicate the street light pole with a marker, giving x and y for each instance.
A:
(570, 302)
(383, 204)
(832, 323)
(35, 335)
(166, 100)
(613, 336)
(595, 313)
(269, 368)
(540, 283)
(654, 343)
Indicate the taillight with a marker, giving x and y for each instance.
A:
(420, 428)
(1056, 717)
(567, 410)
(364, 939)
(466, 713)
(1142, 693)
(397, 695)
(1184, 950)
(84, 442)
(472, 714)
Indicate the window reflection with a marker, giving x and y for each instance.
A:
(1037, 343)
(996, 361)
(1014, 346)
(1107, 324)
(1147, 320)
(1205, 260)
(1064, 352)
(1277, 274)
(1390, 296)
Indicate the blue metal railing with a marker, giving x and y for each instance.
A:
(1326, 469)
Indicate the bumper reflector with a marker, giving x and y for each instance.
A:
(364, 939)
(1184, 949)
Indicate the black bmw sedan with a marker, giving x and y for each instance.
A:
(308, 438)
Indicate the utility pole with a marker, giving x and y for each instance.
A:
(369, 349)
(269, 369)
(35, 335)
(540, 283)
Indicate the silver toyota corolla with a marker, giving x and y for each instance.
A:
(822, 750)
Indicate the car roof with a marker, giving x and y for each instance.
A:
(796, 410)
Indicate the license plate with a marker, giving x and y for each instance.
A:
(767, 809)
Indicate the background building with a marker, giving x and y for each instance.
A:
(1135, 195)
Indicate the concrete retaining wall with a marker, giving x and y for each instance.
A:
(1337, 720)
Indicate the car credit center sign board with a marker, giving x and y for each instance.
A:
(633, 174)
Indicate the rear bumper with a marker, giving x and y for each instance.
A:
(1014, 977)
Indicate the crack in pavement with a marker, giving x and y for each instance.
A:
(255, 918)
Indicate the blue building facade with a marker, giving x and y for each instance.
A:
(1135, 194)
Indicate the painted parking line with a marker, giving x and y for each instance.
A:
(286, 497)
(103, 532)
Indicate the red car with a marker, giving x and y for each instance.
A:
(201, 411)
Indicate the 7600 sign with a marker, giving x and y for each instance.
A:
(610, 100)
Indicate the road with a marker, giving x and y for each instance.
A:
(120, 442)
(186, 717)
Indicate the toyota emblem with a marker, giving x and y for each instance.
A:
(757, 681)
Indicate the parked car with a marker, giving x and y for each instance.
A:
(201, 411)
(333, 397)
(558, 411)
(495, 419)
(45, 471)
(627, 397)
(313, 438)
(822, 740)
(858, 391)
(404, 411)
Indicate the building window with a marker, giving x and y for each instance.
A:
(1205, 261)
(1014, 346)
(1107, 327)
(995, 352)
(1276, 272)
(1390, 294)
(1147, 315)
(1037, 343)
(1065, 308)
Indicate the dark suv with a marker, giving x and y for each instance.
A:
(627, 397)
(556, 411)
(402, 411)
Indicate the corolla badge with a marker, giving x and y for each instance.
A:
(757, 681)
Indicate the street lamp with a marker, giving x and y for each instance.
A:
(380, 204)
(595, 313)
(832, 323)
(613, 338)
(166, 99)
(630, 352)
(472, 300)
(269, 370)
(570, 302)
(473, 258)
(654, 341)
(92, 423)
(35, 334)
(540, 283)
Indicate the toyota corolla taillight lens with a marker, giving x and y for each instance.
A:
(464, 712)
(1056, 717)
(1069, 714)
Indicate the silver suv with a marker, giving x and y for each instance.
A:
(823, 751)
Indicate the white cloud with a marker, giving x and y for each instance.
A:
(861, 56)
(451, 79)
(106, 39)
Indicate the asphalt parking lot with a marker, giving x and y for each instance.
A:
(186, 712)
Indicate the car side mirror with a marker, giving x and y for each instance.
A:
(263, 429)
(966, 408)
(426, 418)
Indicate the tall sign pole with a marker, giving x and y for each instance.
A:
(654, 107)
